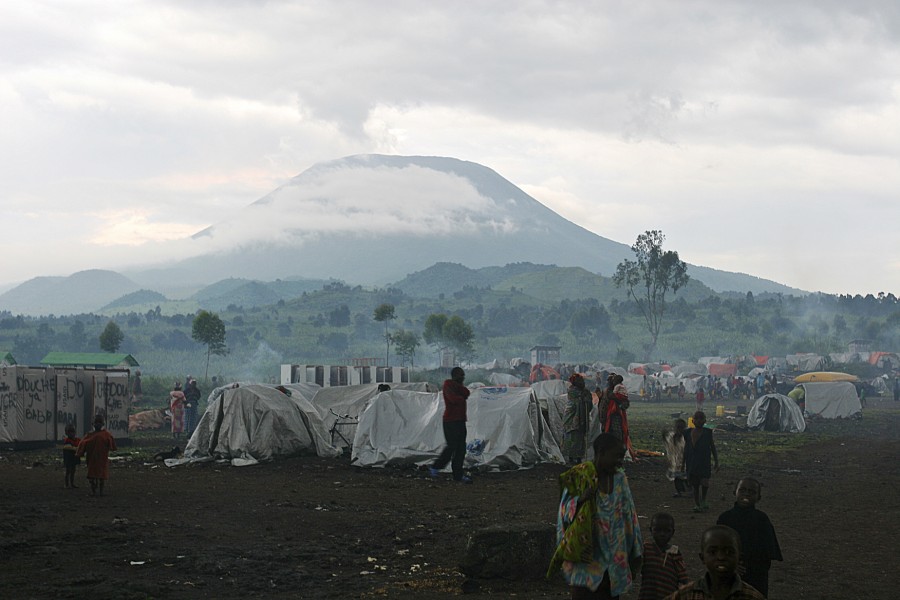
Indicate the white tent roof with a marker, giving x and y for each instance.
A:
(506, 430)
(349, 401)
(252, 422)
(831, 399)
(789, 416)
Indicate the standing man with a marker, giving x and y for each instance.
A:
(455, 395)
(137, 390)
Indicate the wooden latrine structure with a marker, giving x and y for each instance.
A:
(36, 403)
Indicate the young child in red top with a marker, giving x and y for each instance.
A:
(663, 569)
(96, 446)
(70, 461)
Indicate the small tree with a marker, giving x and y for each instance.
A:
(433, 333)
(406, 343)
(460, 336)
(654, 273)
(209, 329)
(111, 338)
(385, 314)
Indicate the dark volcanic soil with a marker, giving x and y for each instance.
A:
(318, 528)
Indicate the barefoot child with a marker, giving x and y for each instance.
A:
(70, 461)
(759, 546)
(663, 569)
(674, 441)
(96, 446)
(699, 447)
(720, 550)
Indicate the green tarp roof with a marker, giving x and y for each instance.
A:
(88, 359)
(7, 357)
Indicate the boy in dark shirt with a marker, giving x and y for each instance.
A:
(759, 546)
(720, 550)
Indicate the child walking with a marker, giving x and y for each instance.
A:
(96, 446)
(759, 546)
(663, 570)
(70, 461)
(699, 447)
(674, 442)
(599, 539)
(720, 551)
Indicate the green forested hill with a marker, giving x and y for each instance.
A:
(510, 311)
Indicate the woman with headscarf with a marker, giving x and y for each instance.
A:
(576, 419)
(614, 404)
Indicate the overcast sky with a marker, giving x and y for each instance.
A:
(761, 137)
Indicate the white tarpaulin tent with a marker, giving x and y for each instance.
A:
(831, 399)
(545, 390)
(253, 422)
(348, 401)
(775, 412)
(506, 430)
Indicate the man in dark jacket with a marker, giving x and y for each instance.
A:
(455, 395)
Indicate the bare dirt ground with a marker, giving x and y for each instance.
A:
(308, 527)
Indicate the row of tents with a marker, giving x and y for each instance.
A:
(248, 423)
(508, 427)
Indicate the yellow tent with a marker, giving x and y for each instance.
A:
(825, 376)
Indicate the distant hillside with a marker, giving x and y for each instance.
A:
(85, 291)
(250, 293)
(447, 278)
(134, 299)
(726, 281)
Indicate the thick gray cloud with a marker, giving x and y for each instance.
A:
(742, 129)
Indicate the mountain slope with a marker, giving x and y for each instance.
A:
(85, 291)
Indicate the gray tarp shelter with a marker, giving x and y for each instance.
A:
(506, 430)
(249, 423)
(831, 399)
(775, 412)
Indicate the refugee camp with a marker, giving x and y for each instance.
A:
(545, 299)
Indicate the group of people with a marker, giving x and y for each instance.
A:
(601, 549)
(95, 447)
(184, 402)
(612, 411)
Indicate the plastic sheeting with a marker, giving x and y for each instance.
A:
(252, 423)
(506, 430)
(832, 400)
(775, 412)
(348, 401)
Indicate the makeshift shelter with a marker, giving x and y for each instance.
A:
(506, 430)
(806, 362)
(722, 369)
(831, 400)
(545, 390)
(504, 379)
(6, 359)
(686, 368)
(775, 412)
(339, 407)
(249, 423)
(825, 376)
